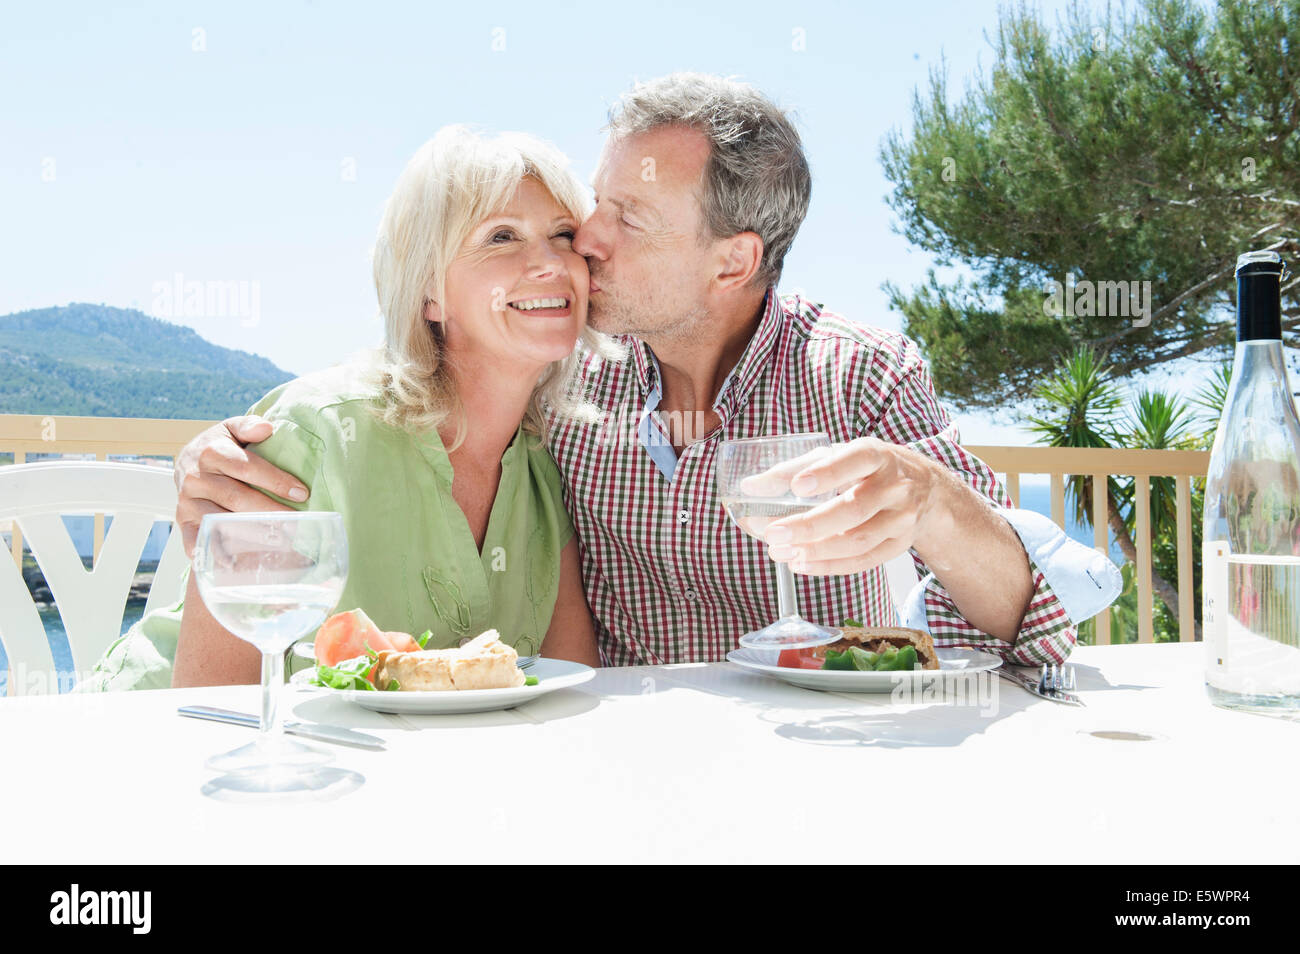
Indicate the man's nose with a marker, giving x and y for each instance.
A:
(590, 240)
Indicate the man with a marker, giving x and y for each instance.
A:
(700, 191)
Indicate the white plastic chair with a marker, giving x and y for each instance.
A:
(901, 573)
(91, 602)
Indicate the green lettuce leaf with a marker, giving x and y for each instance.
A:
(348, 674)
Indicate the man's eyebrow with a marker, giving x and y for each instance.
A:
(629, 204)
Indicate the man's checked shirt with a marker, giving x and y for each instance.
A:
(670, 579)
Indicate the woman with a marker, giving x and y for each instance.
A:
(433, 449)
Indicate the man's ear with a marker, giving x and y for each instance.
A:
(741, 256)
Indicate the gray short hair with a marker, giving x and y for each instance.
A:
(756, 178)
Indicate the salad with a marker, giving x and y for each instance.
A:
(350, 652)
(891, 649)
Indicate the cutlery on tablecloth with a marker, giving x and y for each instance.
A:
(1051, 683)
(309, 730)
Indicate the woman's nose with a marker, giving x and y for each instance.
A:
(545, 266)
(545, 261)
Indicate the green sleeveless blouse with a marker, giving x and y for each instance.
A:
(412, 561)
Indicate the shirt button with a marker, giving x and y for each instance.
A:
(683, 517)
(690, 596)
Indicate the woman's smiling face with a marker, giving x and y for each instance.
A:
(516, 294)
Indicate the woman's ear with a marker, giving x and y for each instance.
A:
(432, 310)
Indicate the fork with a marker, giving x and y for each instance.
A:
(1053, 678)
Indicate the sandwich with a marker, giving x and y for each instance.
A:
(483, 663)
(868, 649)
(880, 639)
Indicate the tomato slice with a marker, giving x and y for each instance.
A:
(801, 658)
(402, 642)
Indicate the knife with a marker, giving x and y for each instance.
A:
(309, 730)
(1030, 683)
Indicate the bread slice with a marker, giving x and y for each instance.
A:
(483, 663)
(429, 670)
(879, 638)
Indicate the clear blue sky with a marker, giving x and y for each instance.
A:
(257, 142)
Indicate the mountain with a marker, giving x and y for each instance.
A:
(115, 362)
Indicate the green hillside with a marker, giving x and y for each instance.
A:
(114, 362)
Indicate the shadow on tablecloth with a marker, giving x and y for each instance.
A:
(946, 716)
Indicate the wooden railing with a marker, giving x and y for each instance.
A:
(102, 438)
(106, 437)
(1142, 465)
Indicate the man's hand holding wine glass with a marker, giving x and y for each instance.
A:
(891, 498)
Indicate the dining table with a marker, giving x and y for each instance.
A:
(684, 763)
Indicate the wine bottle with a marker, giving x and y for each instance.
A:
(1251, 559)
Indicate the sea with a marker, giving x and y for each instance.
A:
(1033, 496)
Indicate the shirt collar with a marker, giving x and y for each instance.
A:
(647, 368)
(434, 452)
(740, 382)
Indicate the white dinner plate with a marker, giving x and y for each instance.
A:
(953, 664)
(552, 674)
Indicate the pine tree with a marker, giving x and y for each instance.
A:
(1145, 147)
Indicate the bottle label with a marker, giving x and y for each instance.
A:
(1214, 604)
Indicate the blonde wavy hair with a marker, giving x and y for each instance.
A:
(451, 185)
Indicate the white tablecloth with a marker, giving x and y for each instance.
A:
(682, 763)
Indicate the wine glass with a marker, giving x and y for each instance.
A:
(271, 578)
(754, 485)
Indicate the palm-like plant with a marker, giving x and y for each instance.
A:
(1160, 421)
(1083, 403)
(1210, 399)
(1082, 409)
